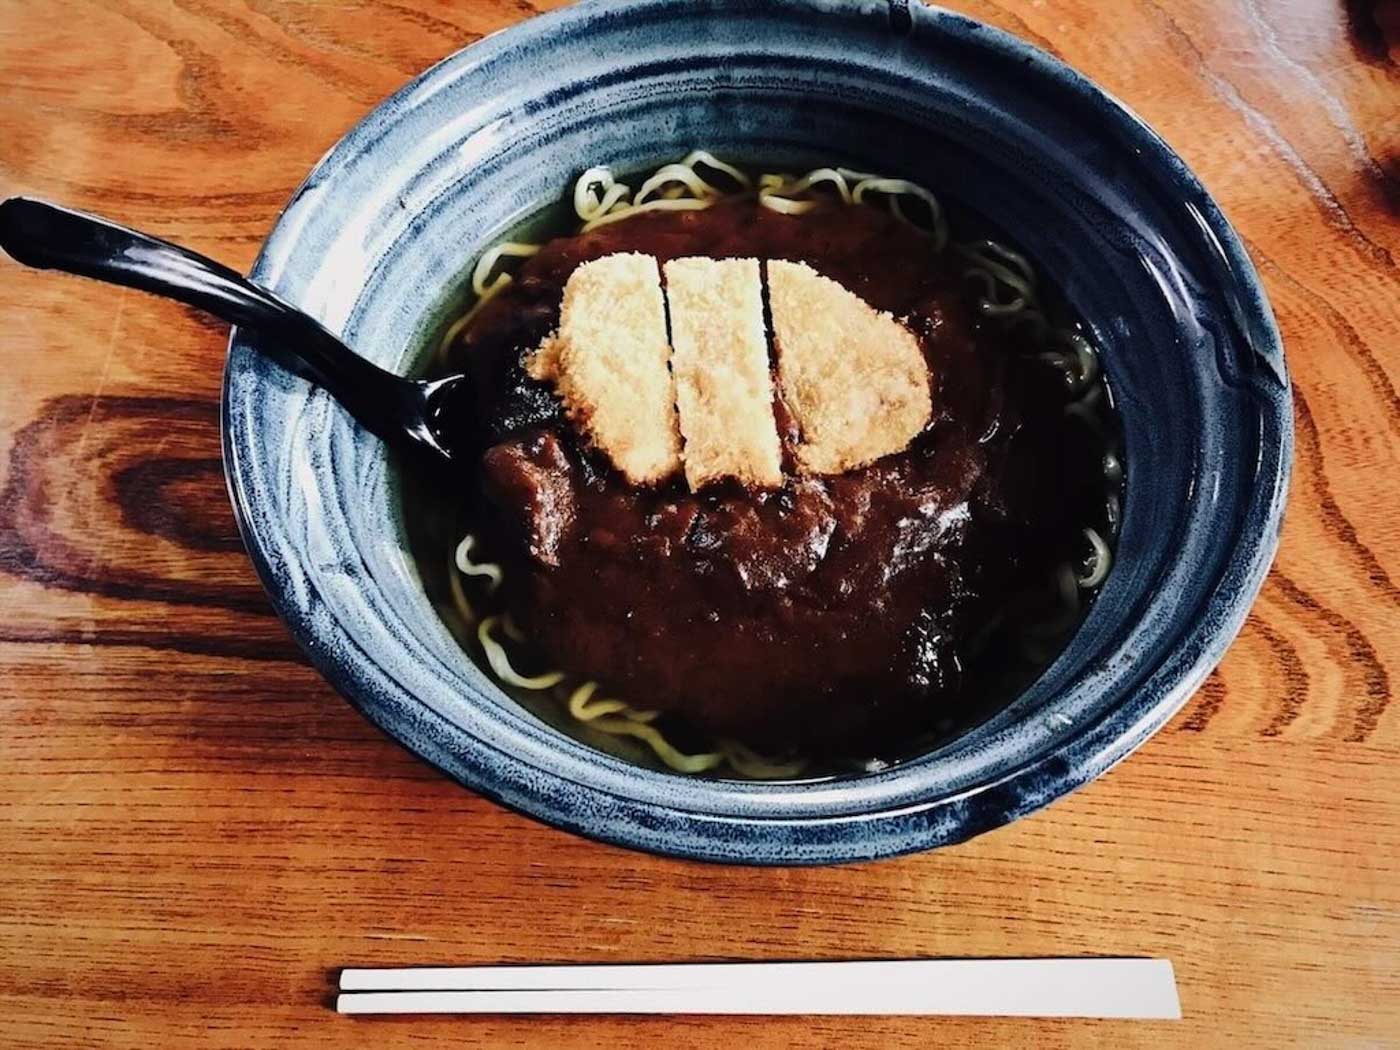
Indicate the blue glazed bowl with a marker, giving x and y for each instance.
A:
(376, 243)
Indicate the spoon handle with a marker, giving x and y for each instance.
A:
(45, 236)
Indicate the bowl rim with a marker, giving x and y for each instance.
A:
(683, 831)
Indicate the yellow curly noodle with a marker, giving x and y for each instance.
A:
(747, 762)
(500, 663)
(483, 288)
(1008, 286)
(1099, 564)
(794, 195)
(1006, 277)
(739, 757)
(1006, 283)
(621, 719)
(487, 569)
(460, 604)
(599, 199)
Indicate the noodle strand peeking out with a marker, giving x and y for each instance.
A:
(760, 611)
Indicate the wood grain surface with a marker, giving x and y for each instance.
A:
(196, 832)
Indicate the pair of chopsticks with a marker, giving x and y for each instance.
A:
(1116, 988)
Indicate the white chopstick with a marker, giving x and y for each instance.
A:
(1121, 988)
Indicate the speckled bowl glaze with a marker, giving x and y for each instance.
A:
(376, 243)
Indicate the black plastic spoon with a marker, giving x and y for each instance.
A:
(425, 418)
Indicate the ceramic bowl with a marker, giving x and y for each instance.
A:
(376, 243)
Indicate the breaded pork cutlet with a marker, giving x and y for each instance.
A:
(608, 361)
(719, 357)
(854, 379)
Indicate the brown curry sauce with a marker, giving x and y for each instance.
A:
(832, 615)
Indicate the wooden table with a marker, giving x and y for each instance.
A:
(197, 832)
